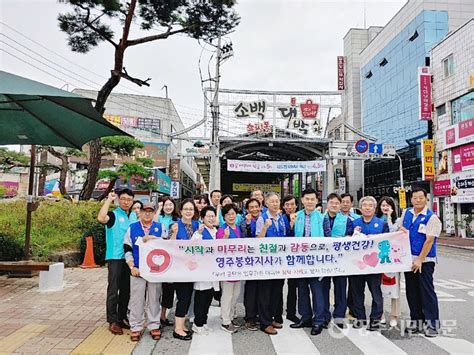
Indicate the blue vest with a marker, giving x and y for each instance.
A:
(417, 239)
(316, 220)
(206, 235)
(253, 227)
(114, 236)
(375, 226)
(136, 231)
(340, 225)
(182, 234)
(232, 233)
(272, 231)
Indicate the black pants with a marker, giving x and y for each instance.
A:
(167, 297)
(269, 293)
(184, 292)
(291, 297)
(374, 282)
(118, 290)
(350, 302)
(277, 295)
(421, 296)
(251, 300)
(202, 302)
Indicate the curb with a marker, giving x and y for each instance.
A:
(456, 246)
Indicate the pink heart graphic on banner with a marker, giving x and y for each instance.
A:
(360, 264)
(371, 259)
(192, 265)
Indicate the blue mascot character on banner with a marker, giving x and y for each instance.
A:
(384, 252)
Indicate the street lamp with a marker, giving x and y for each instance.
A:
(401, 170)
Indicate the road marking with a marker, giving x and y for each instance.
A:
(292, 341)
(467, 284)
(453, 345)
(103, 341)
(217, 342)
(449, 285)
(371, 342)
(19, 337)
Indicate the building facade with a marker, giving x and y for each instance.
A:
(452, 63)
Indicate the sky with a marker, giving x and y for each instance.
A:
(279, 45)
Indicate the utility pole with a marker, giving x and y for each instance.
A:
(214, 173)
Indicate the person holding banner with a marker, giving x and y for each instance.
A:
(204, 291)
(143, 294)
(270, 292)
(386, 211)
(183, 229)
(167, 214)
(248, 230)
(336, 225)
(309, 223)
(289, 206)
(423, 227)
(369, 224)
(118, 288)
(230, 289)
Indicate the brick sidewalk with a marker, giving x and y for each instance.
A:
(58, 322)
(465, 243)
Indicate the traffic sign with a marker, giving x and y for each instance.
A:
(375, 148)
(174, 190)
(361, 146)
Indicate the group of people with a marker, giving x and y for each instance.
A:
(130, 297)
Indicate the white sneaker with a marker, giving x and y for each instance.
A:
(393, 323)
(199, 330)
(383, 320)
(209, 330)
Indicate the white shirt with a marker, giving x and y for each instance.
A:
(205, 285)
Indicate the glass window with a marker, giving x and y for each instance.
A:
(441, 110)
(448, 66)
(463, 108)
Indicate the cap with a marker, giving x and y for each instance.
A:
(148, 206)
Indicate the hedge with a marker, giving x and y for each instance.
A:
(57, 226)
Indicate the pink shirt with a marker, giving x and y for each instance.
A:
(220, 232)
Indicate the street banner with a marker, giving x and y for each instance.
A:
(427, 160)
(251, 166)
(272, 258)
(424, 94)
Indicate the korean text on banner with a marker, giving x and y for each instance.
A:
(427, 159)
(251, 166)
(272, 258)
(424, 94)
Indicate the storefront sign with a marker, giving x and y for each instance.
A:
(175, 169)
(463, 157)
(462, 187)
(448, 220)
(253, 187)
(198, 151)
(259, 127)
(442, 187)
(361, 150)
(427, 159)
(340, 73)
(443, 162)
(143, 123)
(175, 189)
(158, 152)
(402, 198)
(163, 181)
(424, 95)
(459, 134)
(272, 258)
(251, 109)
(251, 166)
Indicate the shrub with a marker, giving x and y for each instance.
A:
(56, 225)
(10, 249)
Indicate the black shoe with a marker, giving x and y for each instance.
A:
(359, 323)
(124, 324)
(431, 333)
(341, 325)
(316, 330)
(326, 324)
(301, 324)
(293, 318)
(166, 322)
(374, 325)
(182, 337)
(413, 329)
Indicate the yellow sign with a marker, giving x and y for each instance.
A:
(402, 198)
(252, 187)
(427, 159)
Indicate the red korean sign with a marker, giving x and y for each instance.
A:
(459, 134)
(340, 73)
(463, 157)
(442, 188)
(309, 109)
(424, 94)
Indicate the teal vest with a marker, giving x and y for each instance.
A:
(339, 226)
(316, 224)
(114, 236)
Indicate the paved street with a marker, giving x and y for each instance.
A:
(73, 321)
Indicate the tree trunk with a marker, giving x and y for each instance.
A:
(41, 182)
(94, 146)
(63, 175)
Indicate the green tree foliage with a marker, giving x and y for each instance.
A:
(90, 23)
